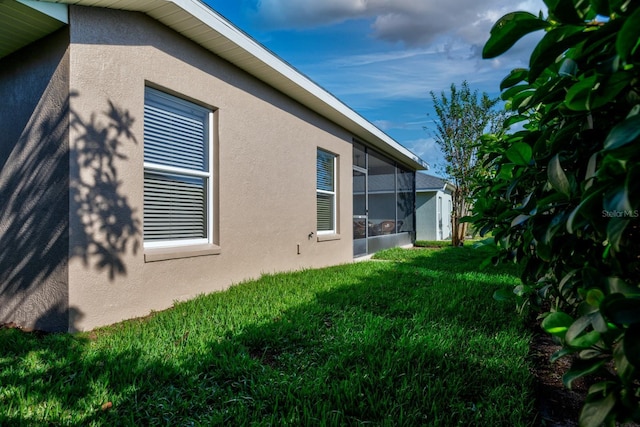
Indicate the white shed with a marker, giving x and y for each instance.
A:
(433, 207)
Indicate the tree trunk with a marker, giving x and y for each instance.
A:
(458, 229)
(455, 238)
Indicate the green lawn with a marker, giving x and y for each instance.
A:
(412, 338)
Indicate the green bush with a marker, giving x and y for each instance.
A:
(564, 198)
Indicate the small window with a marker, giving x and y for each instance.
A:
(177, 171)
(326, 192)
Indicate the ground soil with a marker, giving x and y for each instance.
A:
(557, 405)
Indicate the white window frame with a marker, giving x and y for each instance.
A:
(333, 194)
(208, 177)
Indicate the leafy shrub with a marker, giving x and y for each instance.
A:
(564, 198)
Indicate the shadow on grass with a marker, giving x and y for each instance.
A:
(414, 344)
(394, 346)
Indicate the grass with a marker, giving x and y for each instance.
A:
(432, 243)
(414, 338)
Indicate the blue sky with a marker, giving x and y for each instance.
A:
(383, 57)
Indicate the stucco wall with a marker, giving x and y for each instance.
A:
(427, 215)
(34, 185)
(265, 175)
(446, 215)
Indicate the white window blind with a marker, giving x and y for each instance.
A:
(326, 192)
(177, 171)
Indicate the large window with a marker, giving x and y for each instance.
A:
(177, 171)
(326, 192)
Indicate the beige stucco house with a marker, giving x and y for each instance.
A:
(151, 151)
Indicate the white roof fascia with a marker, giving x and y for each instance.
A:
(54, 10)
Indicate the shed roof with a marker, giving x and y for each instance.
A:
(19, 26)
(425, 182)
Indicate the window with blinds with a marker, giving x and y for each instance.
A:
(177, 171)
(326, 192)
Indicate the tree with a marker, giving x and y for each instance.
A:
(564, 197)
(462, 119)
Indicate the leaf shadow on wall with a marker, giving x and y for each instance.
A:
(62, 200)
(105, 223)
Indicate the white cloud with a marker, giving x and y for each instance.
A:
(387, 124)
(367, 81)
(442, 45)
(411, 22)
(417, 46)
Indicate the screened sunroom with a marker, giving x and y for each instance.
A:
(383, 202)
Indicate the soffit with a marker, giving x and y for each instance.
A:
(203, 25)
(21, 25)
